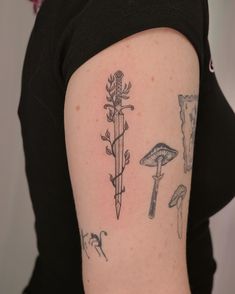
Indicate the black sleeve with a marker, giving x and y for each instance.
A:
(104, 22)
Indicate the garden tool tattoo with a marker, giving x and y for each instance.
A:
(116, 94)
(188, 114)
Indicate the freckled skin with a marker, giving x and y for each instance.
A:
(140, 258)
(166, 243)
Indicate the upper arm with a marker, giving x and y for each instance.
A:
(119, 160)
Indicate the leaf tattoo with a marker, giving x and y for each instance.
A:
(116, 93)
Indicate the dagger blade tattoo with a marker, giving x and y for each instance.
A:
(116, 93)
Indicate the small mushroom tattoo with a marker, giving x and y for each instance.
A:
(158, 156)
(177, 200)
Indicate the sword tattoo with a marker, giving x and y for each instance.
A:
(116, 94)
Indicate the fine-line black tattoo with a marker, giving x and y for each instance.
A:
(158, 156)
(84, 243)
(116, 94)
(177, 200)
(95, 241)
(188, 115)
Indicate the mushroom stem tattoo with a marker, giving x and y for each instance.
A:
(158, 156)
(115, 115)
(177, 200)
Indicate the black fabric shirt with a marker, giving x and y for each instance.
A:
(65, 35)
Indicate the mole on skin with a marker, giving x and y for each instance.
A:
(77, 107)
(152, 79)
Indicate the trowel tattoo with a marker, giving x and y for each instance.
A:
(116, 94)
(177, 200)
(188, 114)
(157, 157)
(95, 241)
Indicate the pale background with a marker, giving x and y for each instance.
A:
(17, 238)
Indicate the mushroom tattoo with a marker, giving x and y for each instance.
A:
(158, 156)
(117, 92)
(177, 200)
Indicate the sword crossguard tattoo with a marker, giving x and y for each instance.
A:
(116, 94)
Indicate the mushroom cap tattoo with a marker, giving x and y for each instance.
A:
(160, 150)
(157, 157)
(177, 200)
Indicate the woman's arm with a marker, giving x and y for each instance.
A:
(130, 119)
